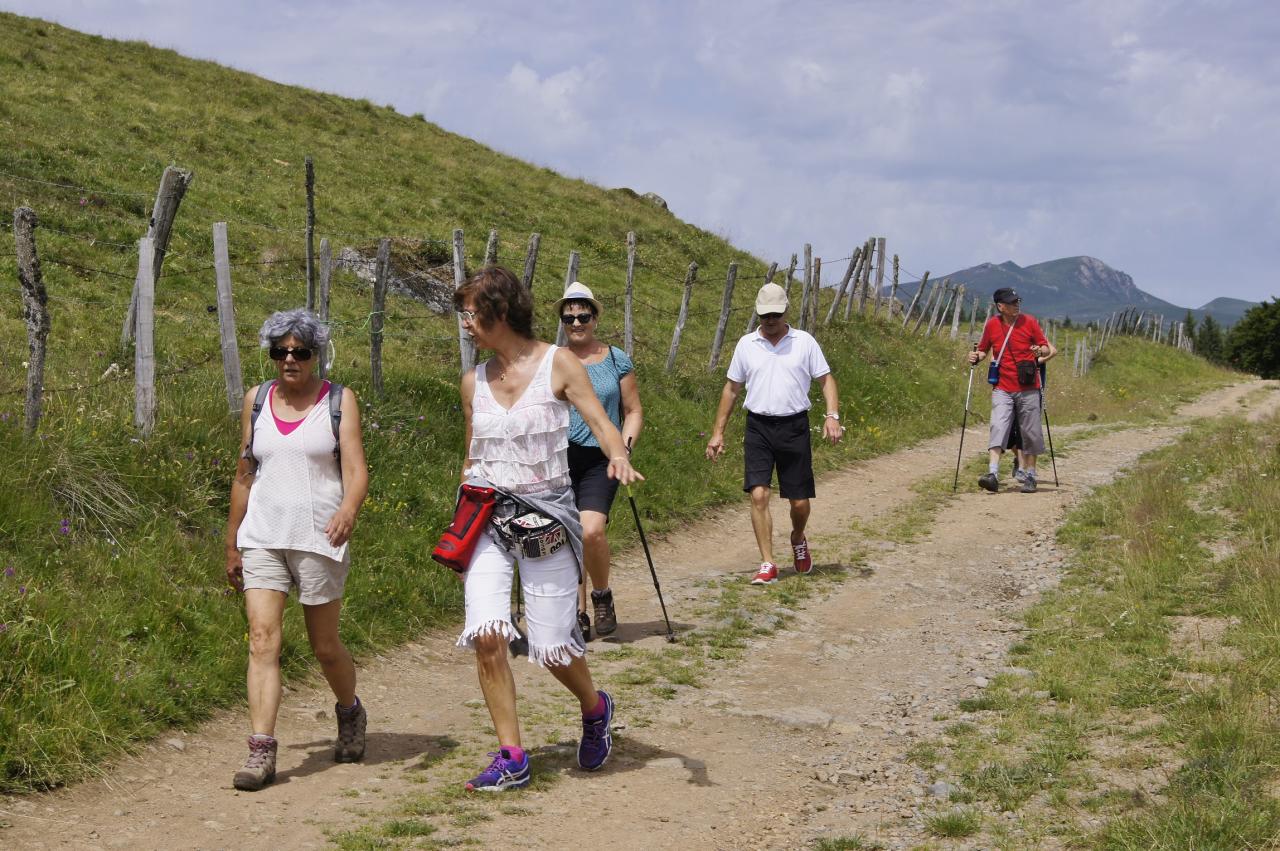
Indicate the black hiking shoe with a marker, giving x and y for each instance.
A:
(351, 726)
(584, 625)
(1029, 486)
(989, 482)
(606, 618)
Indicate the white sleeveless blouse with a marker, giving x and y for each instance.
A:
(522, 449)
(297, 488)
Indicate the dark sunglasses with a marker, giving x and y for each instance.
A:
(300, 353)
(765, 316)
(579, 318)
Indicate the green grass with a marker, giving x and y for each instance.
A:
(953, 824)
(115, 623)
(1119, 697)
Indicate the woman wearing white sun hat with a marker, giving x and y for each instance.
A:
(613, 377)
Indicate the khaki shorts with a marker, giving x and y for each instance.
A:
(319, 579)
(1024, 405)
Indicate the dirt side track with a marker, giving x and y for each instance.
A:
(802, 739)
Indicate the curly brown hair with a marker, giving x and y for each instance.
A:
(498, 296)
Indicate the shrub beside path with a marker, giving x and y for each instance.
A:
(801, 735)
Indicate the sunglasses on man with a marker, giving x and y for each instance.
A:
(300, 353)
(576, 318)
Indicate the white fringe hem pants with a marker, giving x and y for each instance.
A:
(550, 586)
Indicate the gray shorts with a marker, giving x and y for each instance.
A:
(1025, 405)
(319, 579)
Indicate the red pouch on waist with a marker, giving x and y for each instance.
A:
(475, 505)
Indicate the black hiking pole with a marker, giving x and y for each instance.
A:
(1048, 431)
(520, 644)
(635, 512)
(964, 424)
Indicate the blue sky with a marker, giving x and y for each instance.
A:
(1141, 133)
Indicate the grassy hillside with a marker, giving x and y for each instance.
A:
(114, 621)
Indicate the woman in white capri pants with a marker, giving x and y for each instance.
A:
(516, 407)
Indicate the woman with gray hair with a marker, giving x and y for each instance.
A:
(299, 485)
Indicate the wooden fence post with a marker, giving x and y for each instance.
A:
(530, 261)
(915, 297)
(35, 312)
(689, 278)
(973, 317)
(491, 248)
(768, 279)
(227, 319)
(791, 271)
(811, 324)
(875, 309)
(930, 304)
(856, 280)
(173, 185)
(311, 233)
(570, 275)
(381, 272)
(844, 285)
(726, 304)
(868, 252)
(466, 346)
(940, 309)
(955, 314)
(893, 293)
(628, 326)
(322, 304)
(988, 316)
(144, 353)
(804, 292)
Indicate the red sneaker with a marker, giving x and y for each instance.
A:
(804, 558)
(766, 575)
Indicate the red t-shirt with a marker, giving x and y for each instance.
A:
(1026, 333)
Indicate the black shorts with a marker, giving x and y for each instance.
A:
(589, 472)
(781, 442)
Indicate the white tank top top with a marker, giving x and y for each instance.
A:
(297, 488)
(524, 448)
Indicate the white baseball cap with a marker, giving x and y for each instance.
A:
(771, 299)
(577, 292)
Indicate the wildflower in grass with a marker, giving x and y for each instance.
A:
(9, 571)
(22, 590)
(4, 417)
(65, 528)
(4, 627)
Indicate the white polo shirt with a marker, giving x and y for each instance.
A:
(777, 377)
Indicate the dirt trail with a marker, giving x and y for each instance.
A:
(802, 739)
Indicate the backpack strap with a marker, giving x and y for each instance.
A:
(617, 374)
(335, 419)
(260, 399)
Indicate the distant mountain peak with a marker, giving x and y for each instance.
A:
(1082, 287)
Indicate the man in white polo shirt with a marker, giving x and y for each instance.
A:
(777, 364)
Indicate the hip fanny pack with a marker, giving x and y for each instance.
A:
(527, 533)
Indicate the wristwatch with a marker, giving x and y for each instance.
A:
(835, 417)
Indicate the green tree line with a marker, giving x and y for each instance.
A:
(1251, 345)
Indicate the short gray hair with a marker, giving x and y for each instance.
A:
(299, 322)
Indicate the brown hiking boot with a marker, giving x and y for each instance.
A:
(606, 619)
(260, 768)
(351, 724)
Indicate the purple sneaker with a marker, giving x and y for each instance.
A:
(597, 741)
(503, 773)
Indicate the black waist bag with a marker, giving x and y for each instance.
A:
(529, 534)
(1027, 373)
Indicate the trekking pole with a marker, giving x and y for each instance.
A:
(964, 424)
(635, 512)
(1048, 431)
(520, 644)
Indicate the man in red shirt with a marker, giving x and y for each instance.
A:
(1018, 345)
